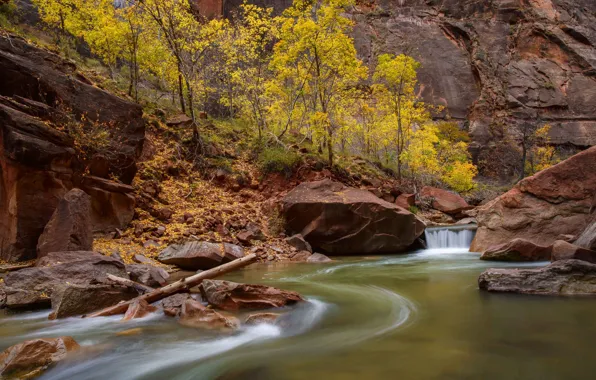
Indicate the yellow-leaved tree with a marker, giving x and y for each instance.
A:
(314, 65)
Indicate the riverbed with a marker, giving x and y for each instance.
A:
(409, 316)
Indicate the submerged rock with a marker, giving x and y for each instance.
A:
(562, 250)
(69, 228)
(200, 255)
(227, 295)
(255, 319)
(517, 250)
(73, 300)
(318, 258)
(567, 277)
(194, 314)
(337, 219)
(30, 358)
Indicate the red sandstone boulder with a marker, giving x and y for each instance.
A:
(587, 239)
(196, 255)
(556, 201)
(445, 201)
(69, 229)
(138, 309)
(33, 287)
(517, 250)
(566, 277)
(72, 300)
(227, 295)
(562, 250)
(337, 219)
(172, 305)
(194, 314)
(405, 201)
(30, 358)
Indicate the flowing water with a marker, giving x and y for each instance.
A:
(413, 316)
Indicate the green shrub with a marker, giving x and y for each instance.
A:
(7, 10)
(278, 160)
(413, 209)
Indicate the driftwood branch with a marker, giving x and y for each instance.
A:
(178, 286)
(130, 283)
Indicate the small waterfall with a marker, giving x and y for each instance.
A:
(450, 236)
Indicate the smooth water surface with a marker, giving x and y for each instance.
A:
(414, 316)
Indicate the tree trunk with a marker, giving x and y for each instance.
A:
(181, 92)
(523, 162)
(178, 286)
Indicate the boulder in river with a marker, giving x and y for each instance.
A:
(72, 300)
(337, 219)
(255, 319)
(194, 314)
(444, 200)
(566, 277)
(318, 258)
(138, 309)
(231, 296)
(556, 201)
(172, 305)
(517, 250)
(202, 255)
(69, 228)
(30, 358)
(562, 250)
(33, 287)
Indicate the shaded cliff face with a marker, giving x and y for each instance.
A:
(496, 63)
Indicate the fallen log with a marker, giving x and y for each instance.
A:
(130, 283)
(178, 286)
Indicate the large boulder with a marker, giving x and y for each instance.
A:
(444, 201)
(202, 255)
(39, 95)
(194, 314)
(556, 201)
(517, 250)
(231, 296)
(562, 250)
(587, 239)
(567, 277)
(33, 287)
(72, 300)
(29, 359)
(337, 219)
(69, 228)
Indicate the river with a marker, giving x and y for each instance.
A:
(411, 316)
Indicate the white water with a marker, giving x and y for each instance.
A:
(456, 237)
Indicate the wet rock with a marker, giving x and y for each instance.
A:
(517, 250)
(406, 201)
(299, 256)
(172, 305)
(337, 219)
(33, 287)
(148, 275)
(562, 250)
(297, 241)
(231, 296)
(200, 255)
(566, 277)
(69, 228)
(255, 319)
(468, 220)
(318, 258)
(73, 300)
(445, 201)
(30, 358)
(194, 314)
(553, 202)
(138, 309)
